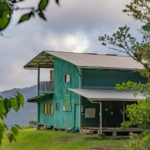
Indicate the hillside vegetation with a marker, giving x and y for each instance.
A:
(32, 139)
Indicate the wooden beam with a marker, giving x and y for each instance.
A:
(38, 78)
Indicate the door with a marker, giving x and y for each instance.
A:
(76, 125)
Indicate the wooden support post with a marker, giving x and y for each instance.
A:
(38, 78)
(101, 131)
(123, 111)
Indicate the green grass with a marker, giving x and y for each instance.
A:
(32, 139)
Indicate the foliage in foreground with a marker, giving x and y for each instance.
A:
(139, 142)
(6, 104)
(7, 7)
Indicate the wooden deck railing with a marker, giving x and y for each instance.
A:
(46, 86)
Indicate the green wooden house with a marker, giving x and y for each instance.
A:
(80, 94)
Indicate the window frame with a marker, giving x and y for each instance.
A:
(48, 108)
(65, 78)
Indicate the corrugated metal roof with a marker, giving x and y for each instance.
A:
(107, 95)
(84, 60)
(97, 60)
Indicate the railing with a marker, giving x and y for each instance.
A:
(46, 86)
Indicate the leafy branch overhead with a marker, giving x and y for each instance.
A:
(5, 106)
(7, 7)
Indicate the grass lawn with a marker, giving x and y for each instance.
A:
(32, 139)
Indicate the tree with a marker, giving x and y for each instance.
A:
(6, 104)
(139, 50)
(7, 7)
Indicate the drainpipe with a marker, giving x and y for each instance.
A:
(100, 118)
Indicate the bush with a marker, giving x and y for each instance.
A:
(139, 142)
(32, 123)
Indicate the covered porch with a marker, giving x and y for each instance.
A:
(103, 111)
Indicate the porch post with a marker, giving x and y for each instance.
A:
(101, 119)
(123, 112)
(38, 78)
(80, 100)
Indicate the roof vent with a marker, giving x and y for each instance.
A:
(111, 54)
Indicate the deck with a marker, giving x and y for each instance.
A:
(112, 130)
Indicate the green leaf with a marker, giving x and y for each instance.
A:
(41, 15)
(7, 104)
(43, 4)
(25, 17)
(146, 27)
(16, 125)
(1, 97)
(14, 104)
(14, 130)
(20, 99)
(2, 107)
(5, 15)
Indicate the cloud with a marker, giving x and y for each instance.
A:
(74, 26)
(76, 42)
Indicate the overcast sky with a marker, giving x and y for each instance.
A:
(74, 26)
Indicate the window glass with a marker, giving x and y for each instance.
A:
(67, 78)
(48, 108)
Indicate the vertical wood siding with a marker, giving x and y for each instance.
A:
(108, 78)
(65, 119)
(61, 118)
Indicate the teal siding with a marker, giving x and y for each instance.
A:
(108, 78)
(42, 118)
(62, 118)
(65, 119)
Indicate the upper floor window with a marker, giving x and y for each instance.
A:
(48, 108)
(67, 78)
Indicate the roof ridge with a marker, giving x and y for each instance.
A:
(89, 53)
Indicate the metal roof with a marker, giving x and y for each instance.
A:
(107, 95)
(43, 60)
(84, 60)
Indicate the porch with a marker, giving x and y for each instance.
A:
(103, 111)
(110, 131)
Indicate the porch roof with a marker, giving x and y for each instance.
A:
(36, 98)
(108, 95)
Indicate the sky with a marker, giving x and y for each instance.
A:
(74, 26)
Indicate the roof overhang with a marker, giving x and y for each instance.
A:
(37, 98)
(108, 95)
(43, 60)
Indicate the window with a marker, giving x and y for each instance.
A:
(57, 106)
(67, 78)
(48, 108)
